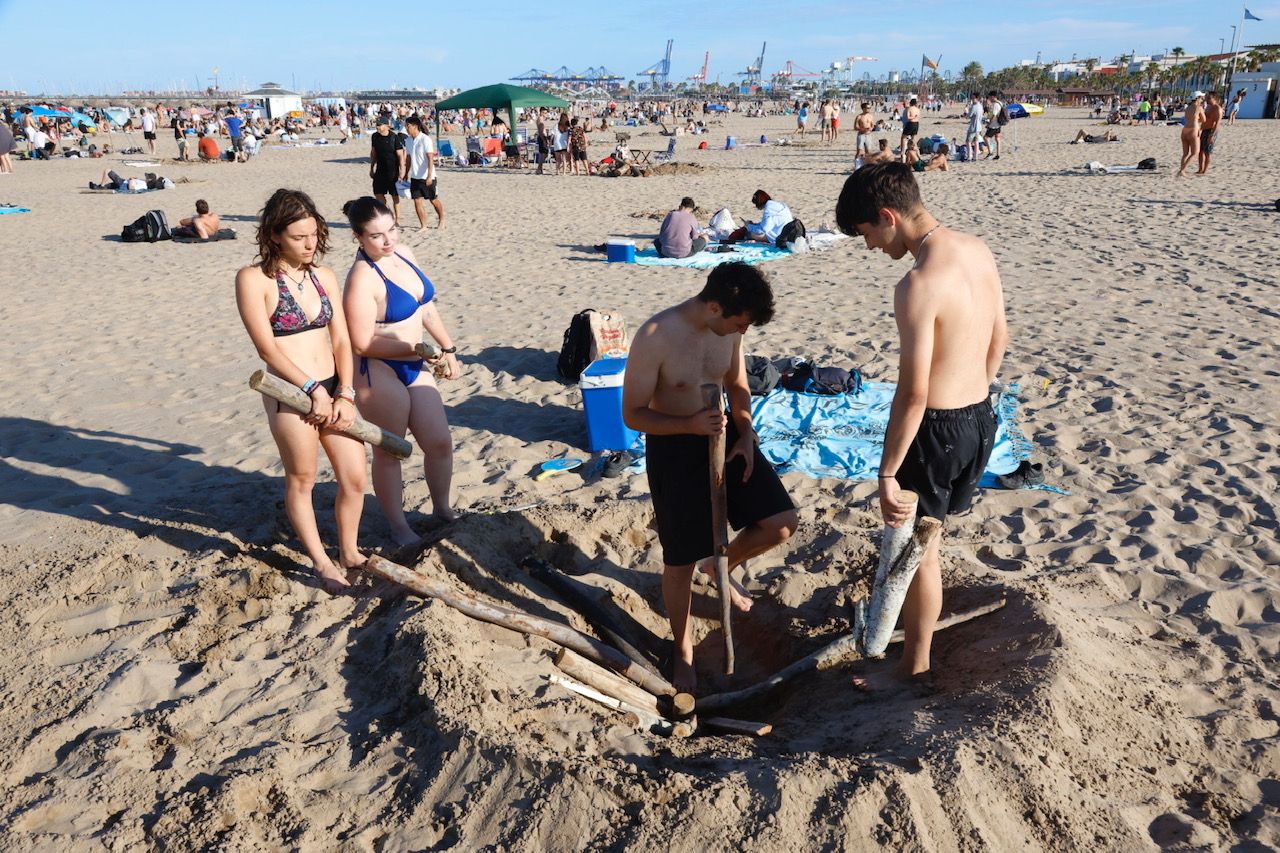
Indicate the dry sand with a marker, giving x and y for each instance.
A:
(175, 680)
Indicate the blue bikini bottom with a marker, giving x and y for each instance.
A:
(407, 371)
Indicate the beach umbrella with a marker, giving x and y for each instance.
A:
(117, 115)
(1025, 110)
(496, 97)
(62, 114)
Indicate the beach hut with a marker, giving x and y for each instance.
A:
(498, 97)
(279, 102)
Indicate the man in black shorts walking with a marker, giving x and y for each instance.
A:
(420, 172)
(386, 162)
(674, 353)
(950, 314)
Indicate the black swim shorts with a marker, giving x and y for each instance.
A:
(384, 183)
(678, 481)
(911, 128)
(419, 188)
(1207, 140)
(947, 457)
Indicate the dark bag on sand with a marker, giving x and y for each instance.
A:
(150, 227)
(1147, 165)
(762, 376)
(828, 381)
(790, 232)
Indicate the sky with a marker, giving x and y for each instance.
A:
(113, 47)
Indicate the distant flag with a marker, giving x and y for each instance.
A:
(1249, 16)
(934, 65)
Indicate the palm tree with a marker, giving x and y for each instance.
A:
(1089, 65)
(1178, 53)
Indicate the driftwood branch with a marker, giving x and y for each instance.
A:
(738, 727)
(637, 715)
(591, 610)
(485, 611)
(713, 399)
(842, 651)
(571, 663)
(291, 395)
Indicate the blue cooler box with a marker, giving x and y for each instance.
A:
(620, 251)
(601, 385)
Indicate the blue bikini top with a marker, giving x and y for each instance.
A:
(400, 303)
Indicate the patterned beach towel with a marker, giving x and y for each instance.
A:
(747, 253)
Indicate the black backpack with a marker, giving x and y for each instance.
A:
(790, 232)
(1147, 165)
(575, 351)
(762, 376)
(1003, 117)
(147, 228)
(829, 381)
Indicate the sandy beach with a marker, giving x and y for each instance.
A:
(176, 679)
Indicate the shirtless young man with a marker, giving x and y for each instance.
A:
(950, 314)
(880, 155)
(1209, 130)
(862, 126)
(673, 354)
(203, 225)
(910, 124)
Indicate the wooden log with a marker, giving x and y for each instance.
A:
(563, 635)
(571, 663)
(739, 727)
(430, 352)
(591, 610)
(683, 704)
(292, 396)
(713, 399)
(651, 722)
(893, 578)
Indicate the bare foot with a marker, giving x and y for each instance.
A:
(889, 683)
(447, 514)
(684, 678)
(423, 230)
(739, 596)
(333, 579)
(404, 537)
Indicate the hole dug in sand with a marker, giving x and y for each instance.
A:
(488, 683)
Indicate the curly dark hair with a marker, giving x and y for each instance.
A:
(284, 208)
(740, 288)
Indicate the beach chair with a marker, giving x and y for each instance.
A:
(446, 149)
(643, 156)
(474, 146)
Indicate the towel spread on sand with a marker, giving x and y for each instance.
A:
(220, 234)
(747, 253)
(9, 208)
(842, 436)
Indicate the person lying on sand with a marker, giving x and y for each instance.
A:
(674, 353)
(1105, 136)
(950, 314)
(881, 155)
(203, 225)
(937, 162)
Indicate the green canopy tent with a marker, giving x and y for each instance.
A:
(496, 97)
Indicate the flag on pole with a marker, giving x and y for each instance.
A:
(929, 62)
(1249, 16)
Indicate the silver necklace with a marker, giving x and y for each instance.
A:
(302, 279)
(927, 235)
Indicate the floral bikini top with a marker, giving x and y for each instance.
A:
(289, 318)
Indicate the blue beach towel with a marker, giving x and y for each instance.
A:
(747, 253)
(9, 208)
(842, 436)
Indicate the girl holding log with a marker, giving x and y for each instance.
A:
(389, 302)
(301, 334)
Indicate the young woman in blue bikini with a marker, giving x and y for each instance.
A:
(299, 330)
(389, 301)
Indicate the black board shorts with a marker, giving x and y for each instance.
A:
(947, 457)
(384, 182)
(419, 188)
(681, 488)
(911, 128)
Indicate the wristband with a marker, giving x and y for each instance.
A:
(888, 476)
(449, 350)
(309, 386)
(344, 400)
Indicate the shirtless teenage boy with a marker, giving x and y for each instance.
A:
(863, 125)
(1209, 130)
(674, 353)
(910, 124)
(950, 314)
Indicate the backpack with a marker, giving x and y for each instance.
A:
(147, 228)
(762, 376)
(1002, 117)
(590, 335)
(790, 233)
(828, 381)
(1147, 165)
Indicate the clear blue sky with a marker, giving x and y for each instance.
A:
(90, 47)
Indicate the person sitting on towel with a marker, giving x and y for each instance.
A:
(774, 215)
(680, 235)
(202, 226)
(1105, 136)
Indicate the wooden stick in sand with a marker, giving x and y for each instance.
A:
(525, 623)
(843, 650)
(638, 716)
(712, 398)
(571, 663)
(591, 610)
(893, 578)
(292, 396)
